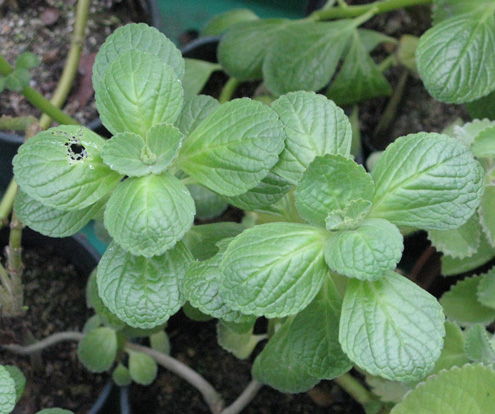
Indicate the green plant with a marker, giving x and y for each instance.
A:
(317, 251)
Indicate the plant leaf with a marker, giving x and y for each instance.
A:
(469, 131)
(459, 243)
(201, 289)
(314, 126)
(139, 37)
(453, 349)
(366, 253)
(457, 391)
(130, 154)
(208, 204)
(98, 349)
(478, 346)
(487, 213)
(461, 303)
(138, 91)
(484, 143)
(233, 149)
(143, 292)
(271, 189)
(50, 221)
(359, 78)
(243, 48)
(195, 109)
(486, 289)
(349, 217)
(453, 56)
(7, 391)
(19, 380)
(273, 270)
(428, 181)
(27, 60)
(314, 334)
(240, 344)
(197, 74)
(55, 411)
(481, 108)
(452, 266)
(62, 168)
(330, 183)
(142, 368)
(304, 55)
(121, 376)
(278, 366)
(391, 328)
(148, 215)
(221, 22)
(17, 80)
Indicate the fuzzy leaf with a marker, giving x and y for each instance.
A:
(273, 270)
(366, 253)
(240, 344)
(468, 389)
(143, 292)
(139, 37)
(278, 366)
(243, 48)
(455, 55)
(469, 131)
(197, 74)
(195, 109)
(349, 217)
(19, 380)
(121, 376)
(314, 126)
(487, 213)
(304, 55)
(132, 155)
(148, 215)
(314, 334)
(391, 328)
(7, 391)
(233, 149)
(138, 91)
(62, 168)
(453, 349)
(486, 289)
(428, 181)
(208, 204)
(359, 78)
(484, 143)
(221, 22)
(459, 243)
(478, 346)
(50, 221)
(461, 304)
(330, 183)
(98, 349)
(142, 368)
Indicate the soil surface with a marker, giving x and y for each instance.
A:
(55, 296)
(44, 27)
(195, 344)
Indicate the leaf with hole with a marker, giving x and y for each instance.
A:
(143, 292)
(149, 215)
(62, 168)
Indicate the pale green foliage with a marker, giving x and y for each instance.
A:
(19, 380)
(121, 376)
(7, 391)
(98, 349)
(142, 368)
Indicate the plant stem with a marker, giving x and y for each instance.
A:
(244, 399)
(38, 100)
(7, 202)
(44, 343)
(382, 6)
(354, 388)
(228, 90)
(72, 63)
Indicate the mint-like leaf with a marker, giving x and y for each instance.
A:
(143, 292)
(486, 289)
(97, 349)
(479, 347)
(197, 74)
(314, 126)
(273, 270)
(138, 91)
(428, 181)
(142, 368)
(7, 391)
(487, 213)
(195, 109)
(453, 349)
(62, 168)
(391, 328)
(148, 215)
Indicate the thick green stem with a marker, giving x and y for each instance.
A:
(348, 12)
(228, 90)
(355, 389)
(38, 100)
(7, 202)
(72, 63)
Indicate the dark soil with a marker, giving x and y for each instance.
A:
(195, 344)
(55, 296)
(44, 27)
